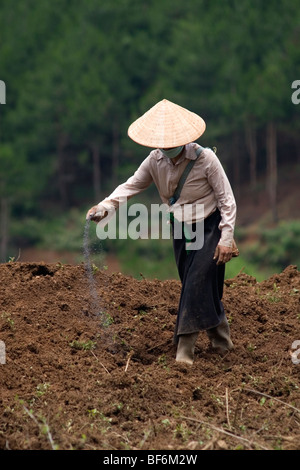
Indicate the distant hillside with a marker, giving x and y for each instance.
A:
(254, 205)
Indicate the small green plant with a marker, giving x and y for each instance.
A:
(273, 296)
(93, 412)
(217, 400)
(107, 319)
(182, 431)
(118, 406)
(142, 312)
(101, 421)
(94, 268)
(162, 360)
(41, 389)
(7, 318)
(166, 422)
(41, 422)
(85, 346)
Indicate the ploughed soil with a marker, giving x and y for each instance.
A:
(94, 368)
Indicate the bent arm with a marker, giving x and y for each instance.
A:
(137, 183)
(225, 201)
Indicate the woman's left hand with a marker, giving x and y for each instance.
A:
(223, 254)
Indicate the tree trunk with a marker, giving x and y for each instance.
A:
(272, 168)
(62, 180)
(4, 217)
(96, 170)
(115, 153)
(237, 165)
(298, 152)
(252, 149)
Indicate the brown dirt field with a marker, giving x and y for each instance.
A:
(72, 382)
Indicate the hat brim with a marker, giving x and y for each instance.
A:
(166, 125)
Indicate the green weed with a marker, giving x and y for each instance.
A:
(107, 319)
(83, 345)
(42, 388)
(7, 318)
(273, 296)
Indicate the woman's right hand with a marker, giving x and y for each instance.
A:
(96, 213)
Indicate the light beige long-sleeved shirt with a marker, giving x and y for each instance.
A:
(206, 184)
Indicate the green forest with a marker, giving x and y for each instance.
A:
(77, 74)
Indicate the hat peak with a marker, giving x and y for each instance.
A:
(166, 125)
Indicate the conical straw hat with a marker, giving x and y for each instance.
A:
(166, 125)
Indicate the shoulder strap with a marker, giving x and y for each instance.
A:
(184, 176)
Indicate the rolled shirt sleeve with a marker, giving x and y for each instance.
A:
(226, 204)
(137, 183)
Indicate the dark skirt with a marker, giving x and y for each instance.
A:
(200, 306)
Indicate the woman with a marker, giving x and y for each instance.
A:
(171, 131)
